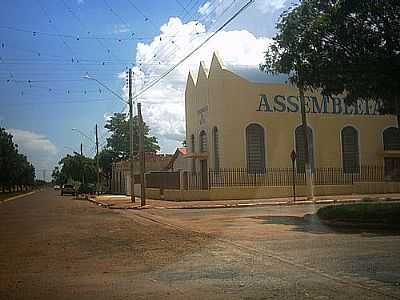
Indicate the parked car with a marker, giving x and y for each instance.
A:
(87, 188)
(68, 189)
(56, 187)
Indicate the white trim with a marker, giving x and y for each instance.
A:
(245, 142)
(359, 146)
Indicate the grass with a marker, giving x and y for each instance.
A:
(385, 213)
(4, 196)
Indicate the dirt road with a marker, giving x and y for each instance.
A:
(55, 247)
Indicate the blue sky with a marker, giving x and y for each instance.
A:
(47, 46)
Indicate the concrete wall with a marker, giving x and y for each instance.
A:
(238, 193)
(153, 193)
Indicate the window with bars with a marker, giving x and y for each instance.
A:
(203, 141)
(216, 148)
(192, 145)
(255, 148)
(391, 141)
(391, 138)
(300, 148)
(350, 151)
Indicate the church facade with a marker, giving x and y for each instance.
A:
(240, 117)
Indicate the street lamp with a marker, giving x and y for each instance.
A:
(130, 103)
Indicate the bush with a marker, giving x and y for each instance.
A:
(388, 213)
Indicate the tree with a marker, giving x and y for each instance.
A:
(77, 168)
(338, 46)
(58, 177)
(118, 142)
(16, 170)
(106, 158)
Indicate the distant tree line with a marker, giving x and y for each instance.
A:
(16, 172)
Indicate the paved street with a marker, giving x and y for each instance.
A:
(56, 247)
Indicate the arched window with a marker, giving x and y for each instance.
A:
(216, 148)
(350, 151)
(192, 144)
(391, 138)
(193, 149)
(300, 148)
(255, 148)
(203, 141)
(391, 141)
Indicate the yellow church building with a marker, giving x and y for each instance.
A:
(247, 121)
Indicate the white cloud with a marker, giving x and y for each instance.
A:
(205, 9)
(163, 105)
(214, 9)
(267, 6)
(41, 152)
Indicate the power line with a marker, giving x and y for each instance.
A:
(55, 27)
(154, 82)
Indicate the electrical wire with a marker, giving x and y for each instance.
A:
(154, 82)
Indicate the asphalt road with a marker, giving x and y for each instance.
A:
(55, 247)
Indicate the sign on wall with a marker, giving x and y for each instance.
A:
(322, 105)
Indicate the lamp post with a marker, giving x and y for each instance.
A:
(130, 104)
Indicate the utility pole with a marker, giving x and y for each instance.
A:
(83, 165)
(141, 157)
(97, 162)
(131, 157)
(309, 173)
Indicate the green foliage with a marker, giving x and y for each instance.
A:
(338, 46)
(118, 142)
(76, 168)
(388, 213)
(15, 168)
(106, 158)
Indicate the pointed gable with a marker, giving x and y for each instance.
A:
(202, 73)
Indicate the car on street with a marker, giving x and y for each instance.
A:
(68, 189)
(56, 187)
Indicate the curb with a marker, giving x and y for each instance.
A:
(244, 205)
(17, 197)
(110, 206)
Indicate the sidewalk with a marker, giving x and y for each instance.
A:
(124, 202)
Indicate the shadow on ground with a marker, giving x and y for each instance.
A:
(312, 224)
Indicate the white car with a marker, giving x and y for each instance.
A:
(56, 187)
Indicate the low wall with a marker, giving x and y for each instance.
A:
(186, 195)
(267, 192)
(262, 192)
(330, 190)
(376, 187)
(153, 193)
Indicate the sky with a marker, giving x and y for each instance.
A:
(47, 47)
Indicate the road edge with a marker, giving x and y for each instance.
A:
(17, 197)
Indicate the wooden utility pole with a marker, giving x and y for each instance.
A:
(97, 162)
(83, 165)
(141, 157)
(131, 156)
